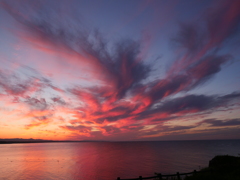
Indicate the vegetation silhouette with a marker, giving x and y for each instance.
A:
(222, 167)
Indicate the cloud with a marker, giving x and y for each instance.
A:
(219, 123)
(11, 84)
(166, 130)
(18, 84)
(35, 103)
(223, 21)
(122, 68)
(59, 100)
(39, 120)
(191, 104)
(27, 95)
(231, 96)
(206, 134)
(189, 37)
(111, 129)
(80, 128)
(215, 126)
(125, 92)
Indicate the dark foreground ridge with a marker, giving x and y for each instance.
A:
(223, 167)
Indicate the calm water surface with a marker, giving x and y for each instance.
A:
(108, 160)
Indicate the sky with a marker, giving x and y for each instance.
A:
(120, 70)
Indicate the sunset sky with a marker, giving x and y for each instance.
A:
(120, 70)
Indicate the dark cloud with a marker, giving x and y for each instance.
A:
(222, 21)
(168, 86)
(215, 27)
(78, 128)
(111, 129)
(15, 84)
(231, 96)
(188, 103)
(58, 100)
(42, 118)
(205, 68)
(206, 134)
(192, 104)
(34, 103)
(192, 76)
(217, 123)
(112, 118)
(169, 129)
(165, 119)
(189, 37)
(178, 132)
(152, 132)
(130, 68)
(132, 127)
(11, 84)
(178, 128)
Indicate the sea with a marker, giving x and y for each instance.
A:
(108, 160)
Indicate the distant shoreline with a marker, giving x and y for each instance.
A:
(24, 141)
(38, 141)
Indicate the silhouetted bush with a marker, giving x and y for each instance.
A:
(220, 168)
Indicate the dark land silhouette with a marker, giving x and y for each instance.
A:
(222, 167)
(20, 140)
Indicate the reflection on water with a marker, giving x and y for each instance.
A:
(107, 160)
